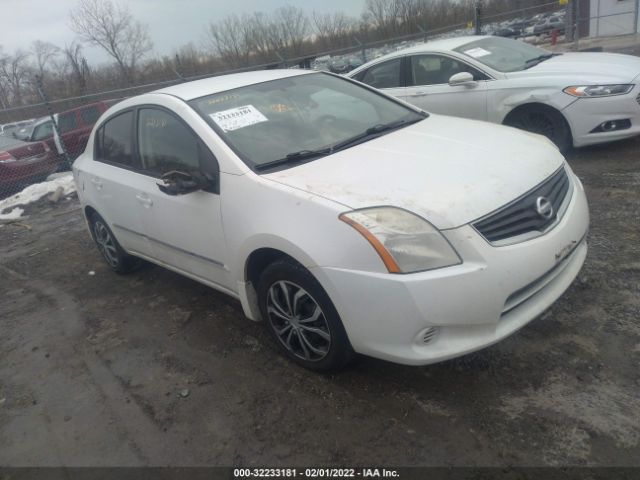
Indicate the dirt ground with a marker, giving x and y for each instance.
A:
(155, 369)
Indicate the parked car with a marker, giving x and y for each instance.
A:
(549, 24)
(339, 65)
(511, 31)
(8, 129)
(23, 163)
(345, 219)
(572, 98)
(74, 126)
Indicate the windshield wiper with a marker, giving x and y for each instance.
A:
(372, 132)
(295, 157)
(301, 155)
(532, 62)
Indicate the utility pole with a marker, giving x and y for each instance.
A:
(478, 17)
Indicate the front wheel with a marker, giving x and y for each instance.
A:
(301, 317)
(544, 121)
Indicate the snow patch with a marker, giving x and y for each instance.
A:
(33, 193)
(12, 215)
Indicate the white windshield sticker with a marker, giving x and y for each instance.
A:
(477, 52)
(240, 117)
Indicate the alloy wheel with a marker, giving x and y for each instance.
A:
(298, 321)
(106, 243)
(537, 123)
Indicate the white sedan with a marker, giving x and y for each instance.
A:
(345, 219)
(575, 99)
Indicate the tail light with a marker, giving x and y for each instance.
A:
(6, 157)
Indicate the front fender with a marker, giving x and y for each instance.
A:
(550, 96)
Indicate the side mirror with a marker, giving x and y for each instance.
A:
(462, 78)
(181, 183)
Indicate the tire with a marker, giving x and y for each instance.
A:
(301, 317)
(544, 121)
(116, 258)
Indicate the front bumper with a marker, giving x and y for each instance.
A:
(493, 293)
(585, 114)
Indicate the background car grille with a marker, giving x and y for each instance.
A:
(638, 99)
(521, 216)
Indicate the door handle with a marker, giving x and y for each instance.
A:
(97, 182)
(418, 94)
(144, 200)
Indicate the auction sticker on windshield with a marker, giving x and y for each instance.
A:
(477, 52)
(239, 117)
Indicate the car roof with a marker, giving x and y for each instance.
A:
(208, 86)
(442, 45)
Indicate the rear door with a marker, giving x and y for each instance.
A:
(114, 183)
(428, 87)
(387, 76)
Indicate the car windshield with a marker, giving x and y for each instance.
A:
(502, 54)
(300, 118)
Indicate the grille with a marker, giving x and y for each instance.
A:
(638, 99)
(521, 216)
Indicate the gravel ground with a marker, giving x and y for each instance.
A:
(155, 369)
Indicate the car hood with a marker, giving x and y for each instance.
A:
(589, 67)
(448, 170)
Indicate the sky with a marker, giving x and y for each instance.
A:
(172, 23)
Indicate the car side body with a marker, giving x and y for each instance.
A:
(496, 96)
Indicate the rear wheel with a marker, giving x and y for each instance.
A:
(118, 260)
(544, 121)
(301, 317)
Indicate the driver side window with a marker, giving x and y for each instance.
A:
(166, 144)
(438, 69)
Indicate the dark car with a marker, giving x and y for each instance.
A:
(512, 31)
(339, 65)
(23, 163)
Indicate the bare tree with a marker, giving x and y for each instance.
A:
(44, 53)
(78, 66)
(333, 30)
(384, 14)
(14, 75)
(113, 28)
(290, 26)
(231, 38)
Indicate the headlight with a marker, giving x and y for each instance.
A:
(598, 90)
(405, 242)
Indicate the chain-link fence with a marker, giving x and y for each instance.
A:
(42, 138)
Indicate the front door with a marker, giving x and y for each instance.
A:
(185, 230)
(428, 87)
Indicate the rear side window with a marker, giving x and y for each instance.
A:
(67, 122)
(90, 115)
(114, 140)
(383, 75)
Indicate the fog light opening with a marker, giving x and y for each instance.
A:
(612, 126)
(429, 335)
